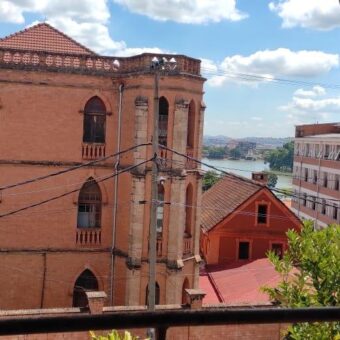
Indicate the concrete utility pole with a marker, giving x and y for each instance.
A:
(158, 65)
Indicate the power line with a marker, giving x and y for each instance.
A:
(268, 79)
(57, 173)
(72, 191)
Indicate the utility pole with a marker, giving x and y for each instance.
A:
(154, 193)
(158, 66)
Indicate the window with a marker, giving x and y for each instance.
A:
(191, 125)
(315, 176)
(184, 287)
(94, 121)
(243, 250)
(327, 148)
(306, 175)
(313, 199)
(325, 179)
(304, 199)
(157, 294)
(335, 212)
(89, 205)
(262, 213)
(163, 121)
(336, 183)
(188, 210)
(160, 209)
(85, 282)
(323, 207)
(277, 248)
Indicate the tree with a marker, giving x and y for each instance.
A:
(209, 179)
(235, 153)
(310, 277)
(281, 159)
(272, 180)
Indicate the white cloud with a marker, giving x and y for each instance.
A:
(86, 23)
(314, 92)
(255, 118)
(186, 11)
(267, 64)
(305, 108)
(315, 14)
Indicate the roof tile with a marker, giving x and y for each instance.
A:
(44, 37)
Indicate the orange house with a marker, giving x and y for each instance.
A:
(241, 220)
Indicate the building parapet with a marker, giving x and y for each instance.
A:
(92, 64)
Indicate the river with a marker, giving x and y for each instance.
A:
(245, 168)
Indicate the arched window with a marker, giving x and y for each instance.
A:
(94, 121)
(184, 287)
(85, 282)
(163, 121)
(157, 294)
(188, 210)
(160, 210)
(191, 125)
(89, 205)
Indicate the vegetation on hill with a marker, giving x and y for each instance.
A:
(310, 277)
(281, 159)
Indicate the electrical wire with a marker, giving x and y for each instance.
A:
(71, 191)
(35, 179)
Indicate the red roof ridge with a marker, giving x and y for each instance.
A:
(45, 24)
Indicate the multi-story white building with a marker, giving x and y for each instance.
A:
(316, 176)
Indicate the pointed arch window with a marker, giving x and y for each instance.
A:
(89, 205)
(184, 287)
(157, 294)
(163, 121)
(94, 121)
(85, 282)
(191, 125)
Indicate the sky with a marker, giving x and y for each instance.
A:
(270, 65)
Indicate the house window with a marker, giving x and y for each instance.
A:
(89, 205)
(315, 176)
(277, 248)
(94, 121)
(160, 209)
(323, 207)
(336, 183)
(335, 212)
(243, 250)
(313, 198)
(325, 179)
(306, 175)
(262, 211)
(85, 282)
(304, 199)
(163, 121)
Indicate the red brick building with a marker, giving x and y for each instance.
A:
(62, 105)
(241, 220)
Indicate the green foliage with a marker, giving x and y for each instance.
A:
(310, 277)
(114, 335)
(214, 151)
(209, 179)
(272, 180)
(235, 153)
(281, 159)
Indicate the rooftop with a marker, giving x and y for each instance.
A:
(44, 37)
(239, 284)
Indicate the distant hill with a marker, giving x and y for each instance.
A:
(263, 141)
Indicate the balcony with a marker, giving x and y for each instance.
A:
(159, 247)
(187, 245)
(189, 163)
(88, 236)
(92, 151)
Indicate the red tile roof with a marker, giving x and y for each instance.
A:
(44, 37)
(240, 284)
(224, 197)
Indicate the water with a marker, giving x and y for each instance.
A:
(245, 168)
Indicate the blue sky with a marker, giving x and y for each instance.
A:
(237, 41)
